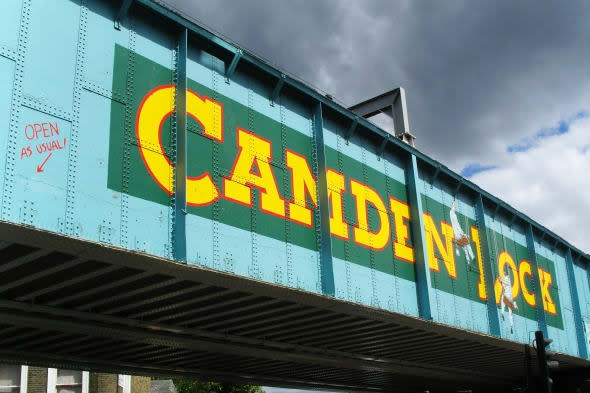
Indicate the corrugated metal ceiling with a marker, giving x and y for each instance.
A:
(72, 303)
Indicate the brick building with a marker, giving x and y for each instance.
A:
(28, 379)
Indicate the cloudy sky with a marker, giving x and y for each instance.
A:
(498, 91)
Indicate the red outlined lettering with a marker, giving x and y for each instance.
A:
(47, 141)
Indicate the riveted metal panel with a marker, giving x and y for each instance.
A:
(7, 69)
(484, 258)
(578, 325)
(557, 298)
(10, 22)
(8, 212)
(55, 42)
(400, 250)
(583, 286)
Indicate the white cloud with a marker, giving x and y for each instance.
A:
(550, 182)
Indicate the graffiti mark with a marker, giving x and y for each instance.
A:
(46, 139)
(50, 146)
(41, 130)
(25, 152)
(40, 167)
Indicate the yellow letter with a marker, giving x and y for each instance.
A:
(362, 233)
(302, 182)
(156, 106)
(481, 285)
(506, 259)
(336, 186)
(254, 150)
(207, 112)
(548, 304)
(401, 212)
(524, 268)
(446, 250)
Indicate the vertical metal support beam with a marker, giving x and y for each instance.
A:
(393, 104)
(401, 124)
(180, 169)
(421, 265)
(233, 65)
(325, 240)
(569, 263)
(382, 147)
(122, 13)
(459, 184)
(542, 236)
(496, 211)
(512, 220)
(487, 262)
(277, 90)
(530, 242)
(351, 129)
(435, 175)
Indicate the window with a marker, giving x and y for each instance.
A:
(67, 381)
(124, 383)
(13, 378)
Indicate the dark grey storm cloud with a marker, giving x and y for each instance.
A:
(480, 76)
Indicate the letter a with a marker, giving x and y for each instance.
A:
(254, 151)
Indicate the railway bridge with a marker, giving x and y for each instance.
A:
(207, 215)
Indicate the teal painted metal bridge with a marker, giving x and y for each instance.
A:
(174, 205)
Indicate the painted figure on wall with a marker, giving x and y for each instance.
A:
(506, 299)
(459, 237)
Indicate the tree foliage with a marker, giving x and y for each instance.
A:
(196, 386)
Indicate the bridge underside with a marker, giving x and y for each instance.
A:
(75, 304)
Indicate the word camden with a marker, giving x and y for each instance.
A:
(252, 169)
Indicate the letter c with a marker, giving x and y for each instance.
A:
(524, 269)
(154, 109)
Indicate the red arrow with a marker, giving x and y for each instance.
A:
(40, 167)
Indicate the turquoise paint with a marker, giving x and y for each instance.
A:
(110, 217)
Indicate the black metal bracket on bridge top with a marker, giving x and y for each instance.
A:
(542, 236)
(233, 65)
(382, 147)
(496, 211)
(554, 244)
(512, 221)
(122, 13)
(277, 89)
(393, 104)
(435, 175)
(351, 129)
(456, 190)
